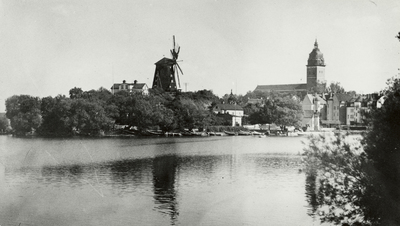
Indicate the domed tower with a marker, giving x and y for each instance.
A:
(315, 67)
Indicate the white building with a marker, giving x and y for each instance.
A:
(130, 87)
(235, 112)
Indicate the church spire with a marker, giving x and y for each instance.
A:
(315, 44)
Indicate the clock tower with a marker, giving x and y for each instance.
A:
(315, 67)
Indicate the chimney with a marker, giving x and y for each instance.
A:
(134, 82)
(123, 81)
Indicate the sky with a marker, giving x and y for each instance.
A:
(48, 47)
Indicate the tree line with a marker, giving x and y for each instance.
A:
(95, 112)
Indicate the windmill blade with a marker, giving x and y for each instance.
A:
(177, 75)
(177, 52)
(174, 41)
(179, 68)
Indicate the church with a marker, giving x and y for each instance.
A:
(315, 74)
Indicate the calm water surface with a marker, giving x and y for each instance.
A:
(153, 181)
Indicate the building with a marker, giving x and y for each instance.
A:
(232, 112)
(164, 75)
(348, 109)
(315, 74)
(353, 111)
(134, 87)
(336, 109)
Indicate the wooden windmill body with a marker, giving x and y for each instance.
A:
(166, 75)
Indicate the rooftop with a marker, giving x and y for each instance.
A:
(283, 87)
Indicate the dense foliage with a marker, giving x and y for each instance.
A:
(95, 112)
(334, 168)
(281, 109)
(24, 113)
(359, 184)
(382, 146)
(3, 124)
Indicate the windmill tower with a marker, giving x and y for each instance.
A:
(167, 72)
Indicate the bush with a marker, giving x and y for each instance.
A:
(335, 168)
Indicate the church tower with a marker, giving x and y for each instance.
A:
(315, 67)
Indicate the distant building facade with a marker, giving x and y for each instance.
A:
(347, 109)
(130, 87)
(315, 74)
(232, 112)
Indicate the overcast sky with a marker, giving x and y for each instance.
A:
(51, 46)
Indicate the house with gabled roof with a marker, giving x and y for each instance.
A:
(134, 87)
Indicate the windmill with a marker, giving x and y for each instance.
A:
(167, 70)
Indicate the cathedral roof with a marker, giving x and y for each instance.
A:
(316, 58)
(282, 88)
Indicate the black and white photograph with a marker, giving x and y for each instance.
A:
(199, 113)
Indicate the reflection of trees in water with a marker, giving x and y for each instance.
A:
(311, 193)
(123, 174)
(129, 173)
(73, 173)
(164, 172)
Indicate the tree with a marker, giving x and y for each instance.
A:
(336, 182)
(288, 112)
(120, 107)
(88, 117)
(335, 87)
(250, 109)
(56, 116)
(320, 87)
(75, 93)
(24, 113)
(264, 115)
(282, 110)
(382, 146)
(3, 124)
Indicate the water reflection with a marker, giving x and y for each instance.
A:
(58, 174)
(311, 193)
(231, 181)
(127, 175)
(164, 173)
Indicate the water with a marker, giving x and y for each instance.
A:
(153, 181)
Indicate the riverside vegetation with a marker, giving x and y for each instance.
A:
(95, 112)
(357, 183)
